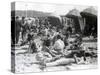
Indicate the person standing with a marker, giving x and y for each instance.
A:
(23, 22)
(17, 29)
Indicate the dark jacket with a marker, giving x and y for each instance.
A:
(17, 26)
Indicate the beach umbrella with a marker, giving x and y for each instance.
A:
(54, 19)
(91, 11)
(54, 16)
(73, 13)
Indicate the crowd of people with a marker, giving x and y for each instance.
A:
(35, 26)
(49, 42)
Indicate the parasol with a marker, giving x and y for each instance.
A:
(91, 11)
(73, 13)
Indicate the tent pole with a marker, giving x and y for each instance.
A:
(84, 22)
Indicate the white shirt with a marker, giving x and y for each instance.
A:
(59, 44)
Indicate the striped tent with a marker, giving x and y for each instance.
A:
(76, 20)
(90, 17)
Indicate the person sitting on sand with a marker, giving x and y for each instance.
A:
(58, 46)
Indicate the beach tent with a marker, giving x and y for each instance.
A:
(90, 18)
(54, 20)
(76, 20)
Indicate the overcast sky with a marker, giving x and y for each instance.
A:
(60, 9)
